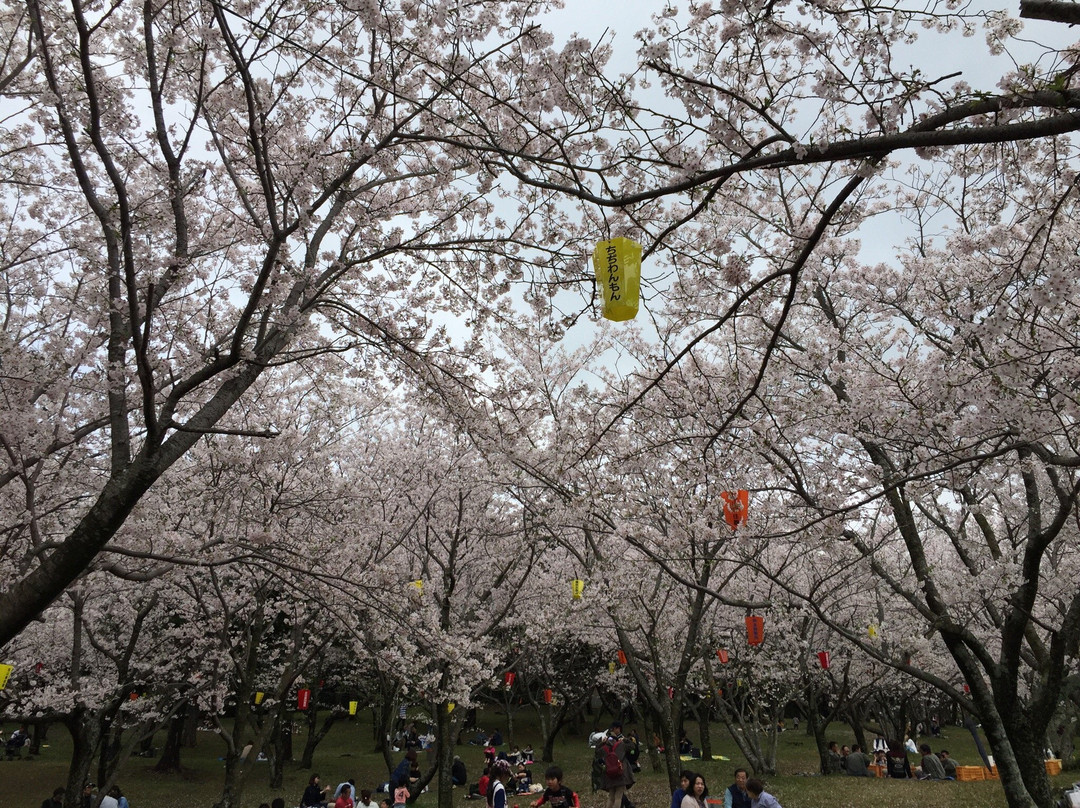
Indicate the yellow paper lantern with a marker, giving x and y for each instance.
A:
(577, 588)
(617, 264)
(449, 706)
(418, 585)
(872, 630)
(611, 667)
(5, 672)
(352, 707)
(259, 696)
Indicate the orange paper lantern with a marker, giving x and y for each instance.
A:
(736, 506)
(621, 656)
(722, 655)
(547, 696)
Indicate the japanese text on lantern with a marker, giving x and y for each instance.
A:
(617, 264)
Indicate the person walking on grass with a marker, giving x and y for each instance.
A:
(617, 774)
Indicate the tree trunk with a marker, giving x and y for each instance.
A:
(174, 736)
(446, 730)
(703, 710)
(85, 739)
(315, 738)
(280, 751)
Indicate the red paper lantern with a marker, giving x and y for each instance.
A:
(509, 677)
(755, 629)
(621, 656)
(824, 659)
(133, 696)
(303, 698)
(967, 689)
(736, 507)
(722, 655)
(547, 696)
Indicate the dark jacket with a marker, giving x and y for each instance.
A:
(618, 745)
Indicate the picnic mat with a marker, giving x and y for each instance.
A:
(714, 757)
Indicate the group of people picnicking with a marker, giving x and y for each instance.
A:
(891, 760)
(744, 792)
(113, 798)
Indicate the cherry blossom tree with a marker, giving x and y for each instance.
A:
(194, 195)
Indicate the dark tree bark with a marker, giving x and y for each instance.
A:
(169, 762)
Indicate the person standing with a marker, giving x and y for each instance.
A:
(55, 801)
(501, 774)
(617, 774)
(736, 795)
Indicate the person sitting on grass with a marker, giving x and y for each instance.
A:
(697, 794)
(759, 797)
(735, 795)
(857, 763)
(55, 801)
(522, 779)
(931, 766)
(313, 794)
(344, 798)
(556, 795)
(685, 776)
(947, 764)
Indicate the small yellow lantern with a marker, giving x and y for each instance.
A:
(417, 585)
(259, 696)
(611, 667)
(449, 706)
(577, 588)
(872, 630)
(5, 672)
(617, 264)
(352, 707)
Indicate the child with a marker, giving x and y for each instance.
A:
(522, 780)
(345, 799)
(556, 795)
(478, 791)
(759, 797)
(401, 795)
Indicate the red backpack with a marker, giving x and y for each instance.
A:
(613, 769)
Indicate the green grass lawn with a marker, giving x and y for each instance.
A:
(346, 753)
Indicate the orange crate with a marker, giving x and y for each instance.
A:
(1053, 766)
(969, 773)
